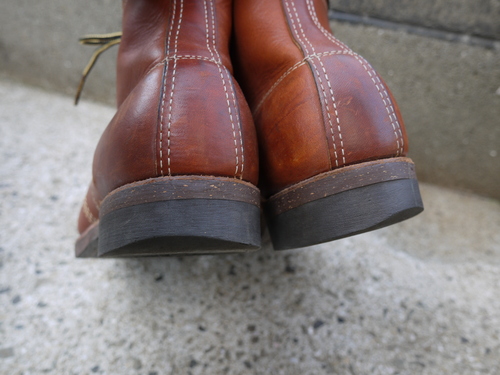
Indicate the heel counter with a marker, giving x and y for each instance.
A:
(370, 122)
(127, 149)
(205, 127)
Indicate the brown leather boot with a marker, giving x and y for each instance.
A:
(332, 141)
(175, 170)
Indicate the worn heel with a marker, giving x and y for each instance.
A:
(175, 216)
(344, 202)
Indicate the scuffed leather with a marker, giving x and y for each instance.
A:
(180, 111)
(317, 105)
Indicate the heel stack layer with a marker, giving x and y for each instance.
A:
(339, 180)
(180, 188)
(176, 215)
(343, 203)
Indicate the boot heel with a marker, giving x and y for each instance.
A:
(344, 202)
(175, 216)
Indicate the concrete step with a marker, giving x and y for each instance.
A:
(422, 296)
(478, 17)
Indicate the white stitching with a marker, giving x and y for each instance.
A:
(387, 103)
(193, 57)
(86, 211)
(227, 98)
(176, 42)
(238, 121)
(371, 72)
(185, 57)
(166, 61)
(336, 117)
(324, 94)
(300, 26)
(294, 67)
(320, 82)
(206, 29)
(278, 81)
(97, 204)
(314, 17)
(219, 63)
(312, 13)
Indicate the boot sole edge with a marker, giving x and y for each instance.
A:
(344, 203)
(175, 216)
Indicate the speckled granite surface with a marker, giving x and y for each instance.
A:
(419, 297)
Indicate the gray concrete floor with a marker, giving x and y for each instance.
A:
(419, 297)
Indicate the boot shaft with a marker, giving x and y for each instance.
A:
(267, 43)
(155, 30)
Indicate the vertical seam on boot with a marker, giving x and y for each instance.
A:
(236, 112)
(161, 106)
(333, 101)
(325, 100)
(376, 81)
(167, 63)
(219, 63)
(238, 121)
(176, 41)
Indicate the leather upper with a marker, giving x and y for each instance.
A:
(180, 111)
(317, 105)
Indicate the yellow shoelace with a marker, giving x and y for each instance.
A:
(106, 41)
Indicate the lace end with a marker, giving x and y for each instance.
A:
(106, 41)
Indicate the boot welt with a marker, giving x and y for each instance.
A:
(177, 215)
(344, 202)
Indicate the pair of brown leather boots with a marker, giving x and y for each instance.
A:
(227, 105)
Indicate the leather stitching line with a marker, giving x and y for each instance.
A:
(319, 78)
(219, 63)
(193, 57)
(238, 121)
(312, 13)
(176, 42)
(86, 211)
(96, 202)
(386, 100)
(293, 68)
(166, 62)
(184, 57)
(320, 81)
(376, 81)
